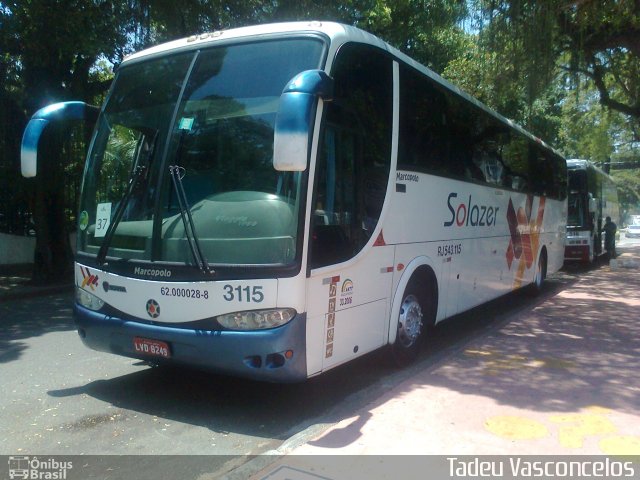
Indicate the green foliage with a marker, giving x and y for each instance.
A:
(429, 32)
(628, 183)
(594, 40)
(567, 70)
(587, 127)
(590, 130)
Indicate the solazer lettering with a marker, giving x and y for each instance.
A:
(470, 214)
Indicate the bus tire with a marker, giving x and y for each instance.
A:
(541, 274)
(412, 321)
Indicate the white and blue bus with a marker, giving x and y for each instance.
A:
(274, 201)
(592, 198)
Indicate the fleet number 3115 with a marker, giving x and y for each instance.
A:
(243, 294)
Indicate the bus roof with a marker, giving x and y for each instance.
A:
(338, 34)
(581, 164)
(330, 29)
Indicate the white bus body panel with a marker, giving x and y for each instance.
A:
(348, 305)
(468, 240)
(483, 242)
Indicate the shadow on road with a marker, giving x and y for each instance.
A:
(576, 348)
(23, 319)
(224, 404)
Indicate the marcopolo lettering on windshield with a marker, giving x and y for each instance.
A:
(470, 214)
(152, 272)
(407, 177)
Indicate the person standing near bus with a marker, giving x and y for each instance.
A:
(610, 229)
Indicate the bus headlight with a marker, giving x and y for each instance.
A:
(88, 300)
(256, 319)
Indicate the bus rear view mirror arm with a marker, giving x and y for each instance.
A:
(55, 113)
(296, 111)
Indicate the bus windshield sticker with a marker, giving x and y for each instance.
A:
(103, 219)
(83, 220)
(185, 124)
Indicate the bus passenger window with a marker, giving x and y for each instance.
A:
(516, 159)
(424, 134)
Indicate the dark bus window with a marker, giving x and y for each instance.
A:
(549, 175)
(445, 134)
(439, 131)
(516, 158)
(424, 133)
(355, 155)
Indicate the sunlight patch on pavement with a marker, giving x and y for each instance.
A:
(623, 445)
(578, 426)
(494, 363)
(516, 428)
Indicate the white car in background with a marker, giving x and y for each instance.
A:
(633, 231)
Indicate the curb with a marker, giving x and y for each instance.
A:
(261, 462)
(624, 261)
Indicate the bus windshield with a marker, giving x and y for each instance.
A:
(578, 213)
(209, 116)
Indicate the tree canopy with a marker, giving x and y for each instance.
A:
(567, 70)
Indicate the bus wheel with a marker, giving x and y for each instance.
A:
(593, 254)
(541, 274)
(410, 326)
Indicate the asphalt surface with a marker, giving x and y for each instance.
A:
(557, 378)
(506, 359)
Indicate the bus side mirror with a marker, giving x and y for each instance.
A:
(593, 205)
(55, 113)
(296, 111)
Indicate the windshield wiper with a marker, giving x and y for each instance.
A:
(138, 173)
(177, 173)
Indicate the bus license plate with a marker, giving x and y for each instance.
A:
(155, 348)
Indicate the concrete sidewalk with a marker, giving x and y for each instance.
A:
(559, 379)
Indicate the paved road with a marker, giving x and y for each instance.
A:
(59, 398)
(559, 377)
(624, 241)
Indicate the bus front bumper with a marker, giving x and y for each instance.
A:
(259, 355)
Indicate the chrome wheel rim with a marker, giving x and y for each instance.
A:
(409, 321)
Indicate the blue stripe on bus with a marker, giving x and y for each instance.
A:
(228, 352)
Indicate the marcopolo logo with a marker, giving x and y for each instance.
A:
(88, 279)
(407, 177)
(470, 214)
(153, 272)
(38, 468)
